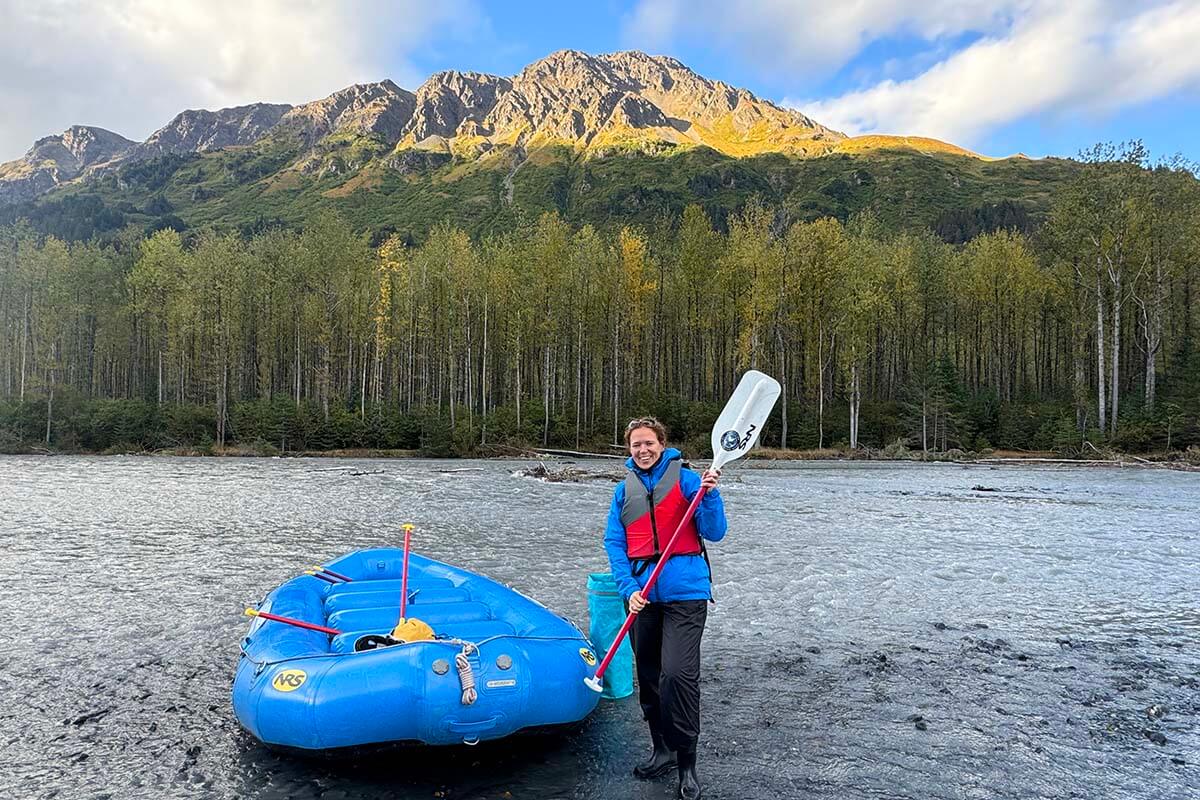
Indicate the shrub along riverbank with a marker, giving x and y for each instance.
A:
(282, 426)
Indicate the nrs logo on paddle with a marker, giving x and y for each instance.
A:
(289, 680)
(732, 440)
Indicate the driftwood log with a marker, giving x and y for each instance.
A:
(567, 474)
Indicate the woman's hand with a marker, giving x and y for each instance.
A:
(709, 479)
(637, 602)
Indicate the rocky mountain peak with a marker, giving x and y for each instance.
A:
(651, 71)
(455, 103)
(684, 94)
(570, 74)
(54, 160)
(200, 130)
(569, 98)
(563, 64)
(381, 108)
(90, 145)
(462, 82)
(567, 95)
(573, 96)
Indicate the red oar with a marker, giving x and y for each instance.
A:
(408, 529)
(733, 435)
(299, 623)
(408, 630)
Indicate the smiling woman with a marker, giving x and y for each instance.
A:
(646, 510)
(649, 443)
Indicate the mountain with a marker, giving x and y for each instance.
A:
(568, 98)
(201, 131)
(452, 104)
(371, 108)
(54, 160)
(606, 139)
(585, 101)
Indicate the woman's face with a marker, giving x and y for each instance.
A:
(645, 447)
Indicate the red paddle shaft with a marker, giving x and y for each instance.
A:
(299, 623)
(666, 554)
(404, 570)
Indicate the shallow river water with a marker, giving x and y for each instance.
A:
(881, 630)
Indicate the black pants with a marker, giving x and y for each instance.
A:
(666, 646)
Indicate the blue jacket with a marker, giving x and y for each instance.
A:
(683, 577)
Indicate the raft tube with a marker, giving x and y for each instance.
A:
(297, 688)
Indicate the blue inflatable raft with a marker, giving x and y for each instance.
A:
(305, 689)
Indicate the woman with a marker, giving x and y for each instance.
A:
(646, 509)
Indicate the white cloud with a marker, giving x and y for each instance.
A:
(1046, 58)
(812, 36)
(131, 65)
(1077, 58)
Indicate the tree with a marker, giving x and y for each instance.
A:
(433, 337)
(1172, 202)
(549, 258)
(818, 257)
(631, 288)
(154, 283)
(1101, 217)
(861, 301)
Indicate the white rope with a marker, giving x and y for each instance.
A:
(465, 676)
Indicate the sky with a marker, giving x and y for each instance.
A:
(1040, 77)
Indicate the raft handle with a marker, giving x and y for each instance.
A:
(471, 730)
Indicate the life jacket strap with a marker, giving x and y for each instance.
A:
(639, 565)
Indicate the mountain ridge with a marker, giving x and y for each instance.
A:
(608, 140)
(568, 98)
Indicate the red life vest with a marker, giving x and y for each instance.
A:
(650, 518)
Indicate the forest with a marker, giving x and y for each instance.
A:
(1076, 335)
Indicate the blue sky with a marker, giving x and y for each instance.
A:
(997, 76)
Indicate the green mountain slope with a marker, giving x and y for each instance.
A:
(378, 190)
(609, 140)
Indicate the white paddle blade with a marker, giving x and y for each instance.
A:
(741, 422)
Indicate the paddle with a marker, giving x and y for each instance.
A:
(328, 571)
(408, 529)
(408, 630)
(299, 623)
(734, 433)
(371, 641)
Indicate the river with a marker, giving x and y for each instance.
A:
(881, 629)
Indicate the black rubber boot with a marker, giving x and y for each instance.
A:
(689, 784)
(661, 759)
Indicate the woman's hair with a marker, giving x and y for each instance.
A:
(659, 429)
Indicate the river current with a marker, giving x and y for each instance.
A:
(881, 629)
